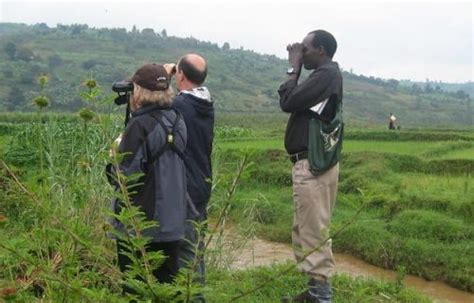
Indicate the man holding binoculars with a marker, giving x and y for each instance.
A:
(193, 109)
(314, 191)
(197, 108)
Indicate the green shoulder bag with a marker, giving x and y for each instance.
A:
(325, 142)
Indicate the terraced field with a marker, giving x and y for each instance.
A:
(418, 200)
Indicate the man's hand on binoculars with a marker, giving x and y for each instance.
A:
(170, 68)
(295, 55)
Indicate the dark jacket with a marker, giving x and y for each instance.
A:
(198, 113)
(324, 83)
(162, 196)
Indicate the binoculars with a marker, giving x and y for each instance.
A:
(123, 89)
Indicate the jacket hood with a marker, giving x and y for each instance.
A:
(200, 99)
(201, 93)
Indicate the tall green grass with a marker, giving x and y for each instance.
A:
(53, 244)
(346, 289)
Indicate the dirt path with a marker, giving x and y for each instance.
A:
(258, 252)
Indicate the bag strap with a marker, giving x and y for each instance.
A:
(337, 115)
(339, 108)
(170, 137)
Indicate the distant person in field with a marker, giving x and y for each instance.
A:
(148, 149)
(314, 195)
(391, 121)
(195, 104)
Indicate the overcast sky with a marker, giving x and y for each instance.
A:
(396, 39)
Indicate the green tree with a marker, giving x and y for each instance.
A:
(462, 94)
(148, 32)
(15, 99)
(416, 89)
(393, 84)
(54, 61)
(10, 49)
(226, 46)
(24, 54)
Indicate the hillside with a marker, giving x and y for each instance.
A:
(240, 80)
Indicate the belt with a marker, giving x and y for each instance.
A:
(298, 156)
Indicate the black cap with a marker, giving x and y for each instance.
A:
(152, 77)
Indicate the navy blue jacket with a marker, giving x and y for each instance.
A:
(197, 110)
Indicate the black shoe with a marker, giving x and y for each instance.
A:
(321, 290)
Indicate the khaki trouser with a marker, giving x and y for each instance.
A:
(314, 198)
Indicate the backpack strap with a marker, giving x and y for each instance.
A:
(170, 137)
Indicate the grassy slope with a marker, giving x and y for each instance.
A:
(239, 80)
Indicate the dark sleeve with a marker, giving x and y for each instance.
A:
(178, 103)
(132, 139)
(180, 106)
(316, 88)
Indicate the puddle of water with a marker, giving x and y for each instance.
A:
(257, 252)
(439, 291)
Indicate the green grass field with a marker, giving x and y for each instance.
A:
(404, 148)
(460, 154)
(416, 198)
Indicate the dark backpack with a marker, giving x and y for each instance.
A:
(170, 137)
(148, 159)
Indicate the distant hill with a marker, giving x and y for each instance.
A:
(240, 80)
(458, 88)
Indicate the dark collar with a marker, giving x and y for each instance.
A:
(326, 65)
(149, 108)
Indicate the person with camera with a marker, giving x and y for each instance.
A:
(195, 104)
(153, 145)
(318, 97)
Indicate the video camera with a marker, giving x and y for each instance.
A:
(123, 89)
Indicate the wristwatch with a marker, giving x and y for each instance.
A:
(291, 71)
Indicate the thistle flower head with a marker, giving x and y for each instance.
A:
(86, 114)
(42, 80)
(41, 101)
(90, 83)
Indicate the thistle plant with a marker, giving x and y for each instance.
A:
(87, 114)
(139, 276)
(41, 102)
(90, 96)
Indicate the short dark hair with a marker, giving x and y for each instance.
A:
(191, 72)
(326, 40)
